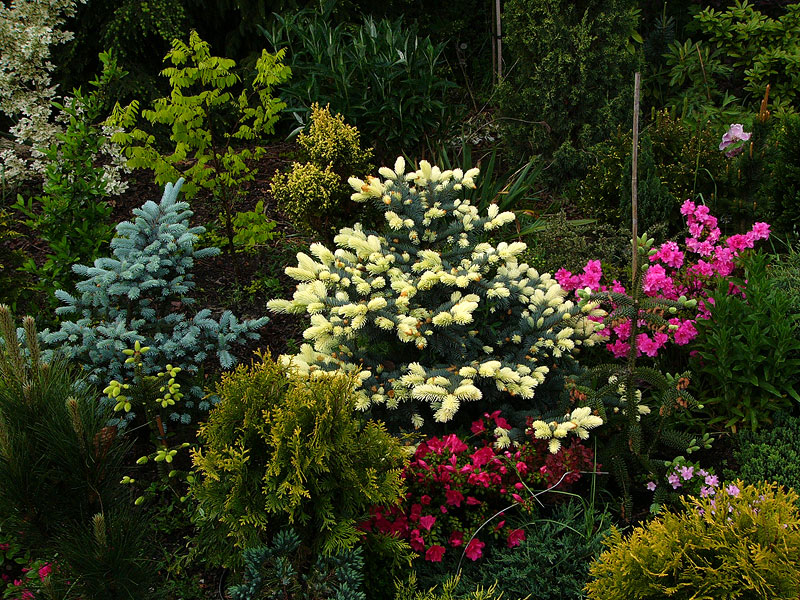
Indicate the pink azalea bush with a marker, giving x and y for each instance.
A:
(674, 272)
(455, 486)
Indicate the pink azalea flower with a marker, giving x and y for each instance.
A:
(475, 549)
(687, 473)
(675, 480)
(45, 571)
(651, 485)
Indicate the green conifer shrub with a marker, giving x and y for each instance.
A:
(771, 454)
(134, 297)
(315, 194)
(570, 78)
(282, 449)
(780, 189)
(553, 560)
(60, 466)
(427, 311)
(409, 590)
(741, 543)
(278, 571)
(208, 150)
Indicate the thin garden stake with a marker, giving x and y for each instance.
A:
(637, 82)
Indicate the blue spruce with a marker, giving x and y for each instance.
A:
(140, 294)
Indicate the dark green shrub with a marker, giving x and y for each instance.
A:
(278, 571)
(552, 561)
(60, 466)
(315, 194)
(285, 450)
(72, 215)
(742, 543)
(570, 79)
(379, 75)
(748, 352)
(676, 163)
(780, 189)
(771, 455)
(564, 245)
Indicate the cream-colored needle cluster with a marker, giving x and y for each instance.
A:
(429, 311)
(579, 422)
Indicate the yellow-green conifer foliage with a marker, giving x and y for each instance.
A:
(315, 194)
(737, 544)
(282, 449)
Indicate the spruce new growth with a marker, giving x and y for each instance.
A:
(457, 318)
(132, 298)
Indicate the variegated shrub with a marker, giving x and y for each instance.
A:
(430, 311)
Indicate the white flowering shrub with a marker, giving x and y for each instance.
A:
(428, 312)
(28, 29)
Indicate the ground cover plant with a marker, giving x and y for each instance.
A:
(487, 381)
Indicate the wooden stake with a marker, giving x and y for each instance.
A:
(637, 82)
(499, 41)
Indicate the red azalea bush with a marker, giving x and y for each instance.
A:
(455, 486)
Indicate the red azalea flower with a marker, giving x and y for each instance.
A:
(454, 444)
(472, 501)
(427, 522)
(454, 497)
(416, 541)
(501, 422)
(425, 500)
(435, 553)
(482, 456)
(516, 537)
(456, 539)
(477, 427)
(475, 549)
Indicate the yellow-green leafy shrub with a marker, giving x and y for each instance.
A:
(284, 450)
(315, 193)
(736, 544)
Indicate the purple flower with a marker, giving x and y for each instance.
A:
(651, 485)
(732, 490)
(706, 491)
(732, 137)
(687, 473)
(712, 480)
(674, 480)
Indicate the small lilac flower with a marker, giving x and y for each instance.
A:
(651, 485)
(687, 473)
(732, 490)
(706, 491)
(735, 134)
(702, 472)
(674, 480)
(712, 480)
